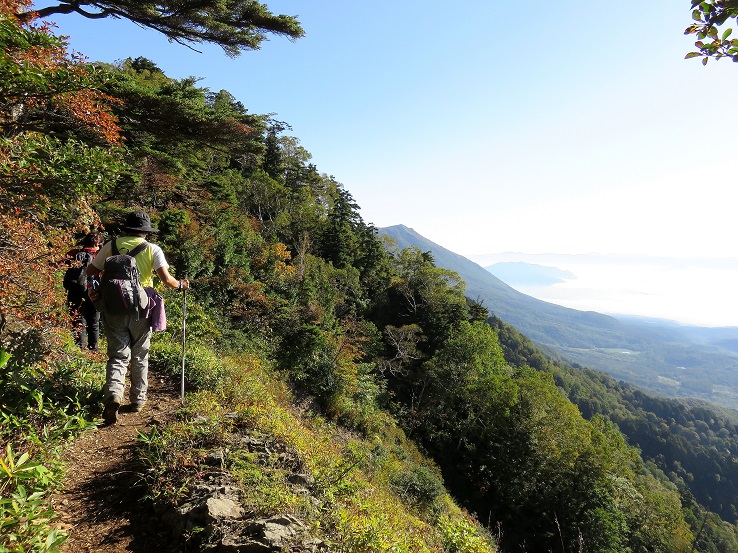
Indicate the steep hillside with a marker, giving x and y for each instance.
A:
(338, 394)
(665, 358)
(692, 442)
(544, 322)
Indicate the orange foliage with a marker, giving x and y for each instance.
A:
(10, 7)
(157, 185)
(246, 300)
(273, 258)
(45, 83)
(68, 88)
(28, 265)
(193, 233)
(90, 109)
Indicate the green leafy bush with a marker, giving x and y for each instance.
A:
(24, 515)
(461, 536)
(24, 524)
(419, 485)
(310, 360)
(41, 405)
(203, 368)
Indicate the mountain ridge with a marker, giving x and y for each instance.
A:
(663, 357)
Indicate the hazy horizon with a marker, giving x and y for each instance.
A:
(690, 291)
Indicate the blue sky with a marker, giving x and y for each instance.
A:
(491, 126)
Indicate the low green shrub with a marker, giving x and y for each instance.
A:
(24, 524)
(204, 369)
(24, 515)
(41, 405)
(461, 536)
(201, 326)
(418, 486)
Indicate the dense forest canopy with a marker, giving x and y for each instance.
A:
(283, 264)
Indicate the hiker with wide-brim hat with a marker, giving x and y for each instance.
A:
(139, 221)
(129, 333)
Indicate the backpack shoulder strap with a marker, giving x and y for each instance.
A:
(138, 249)
(133, 253)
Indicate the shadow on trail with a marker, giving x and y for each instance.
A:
(119, 494)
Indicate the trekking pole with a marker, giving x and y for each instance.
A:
(184, 329)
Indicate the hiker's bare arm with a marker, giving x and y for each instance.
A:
(169, 280)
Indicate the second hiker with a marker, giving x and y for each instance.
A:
(127, 328)
(85, 319)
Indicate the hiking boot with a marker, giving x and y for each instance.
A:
(110, 413)
(136, 406)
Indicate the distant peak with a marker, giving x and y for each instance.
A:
(400, 226)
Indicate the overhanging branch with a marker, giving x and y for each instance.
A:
(234, 25)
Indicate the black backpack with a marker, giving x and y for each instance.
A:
(120, 284)
(75, 278)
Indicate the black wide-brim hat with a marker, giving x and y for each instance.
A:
(139, 221)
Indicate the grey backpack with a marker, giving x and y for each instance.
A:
(121, 292)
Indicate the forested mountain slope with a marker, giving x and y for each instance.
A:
(664, 358)
(330, 380)
(691, 442)
(544, 322)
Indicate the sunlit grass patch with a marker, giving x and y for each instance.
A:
(372, 520)
(370, 494)
(359, 491)
(266, 489)
(203, 368)
(460, 535)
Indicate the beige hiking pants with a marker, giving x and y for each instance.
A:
(128, 343)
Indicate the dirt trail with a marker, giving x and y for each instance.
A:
(101, 505)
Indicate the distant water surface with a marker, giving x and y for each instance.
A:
(702, 292)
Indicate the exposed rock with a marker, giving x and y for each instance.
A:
(216, 458)
(222, 507)
(299, 479)
(277, 535)
(315, 544)
(213, 517)
(273, 534)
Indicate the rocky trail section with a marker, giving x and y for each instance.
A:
(103, 506)
(215, 507)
